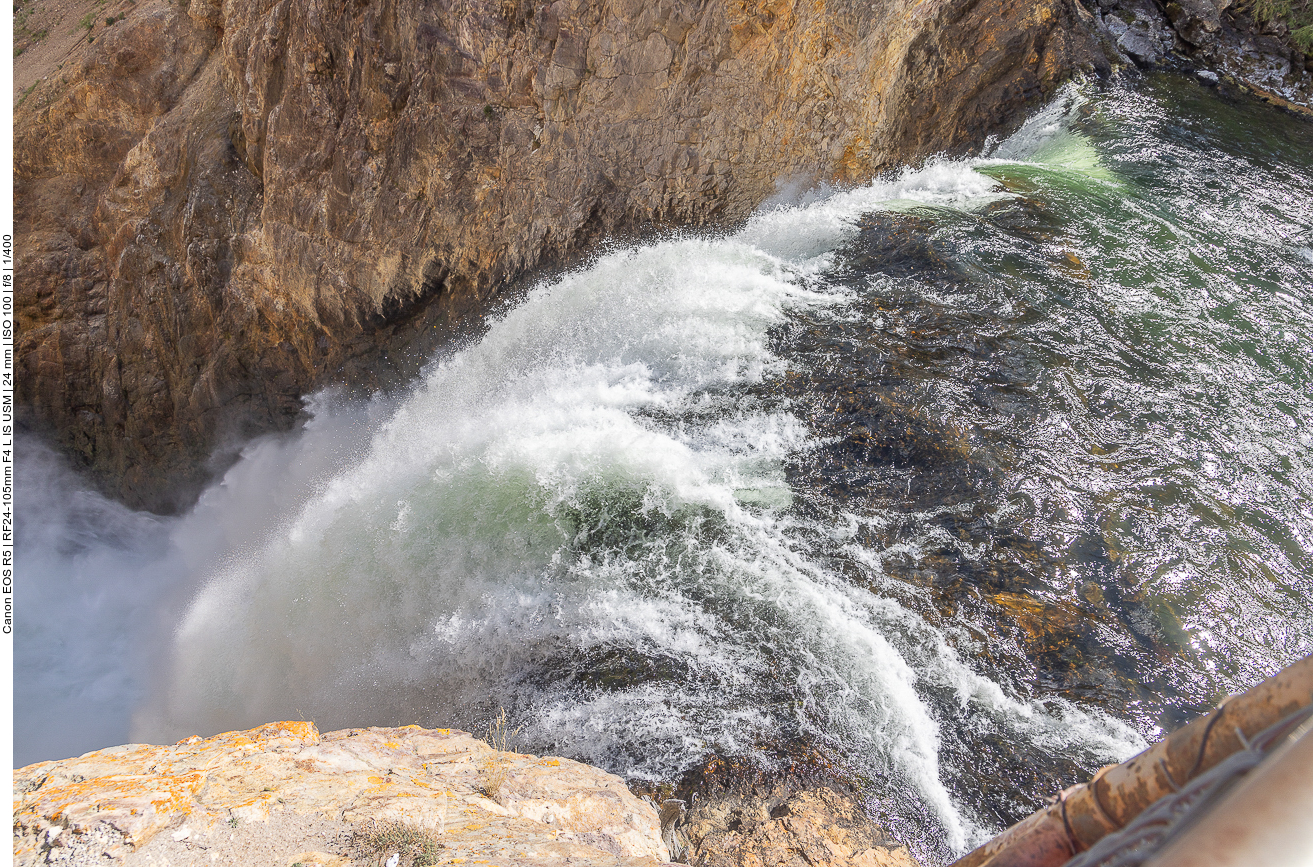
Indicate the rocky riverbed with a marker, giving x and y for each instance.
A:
(1222, 43)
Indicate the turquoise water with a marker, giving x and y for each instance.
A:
(972, 479)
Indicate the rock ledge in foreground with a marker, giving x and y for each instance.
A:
(283, 793)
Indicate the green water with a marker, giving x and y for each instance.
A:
(1075, 426)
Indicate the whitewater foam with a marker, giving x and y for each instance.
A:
(580, 518)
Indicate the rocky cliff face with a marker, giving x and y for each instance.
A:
(222, 206)
(1213, 36)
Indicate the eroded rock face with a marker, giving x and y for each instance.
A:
(1217, 35)
(282, 794)
(223, 206)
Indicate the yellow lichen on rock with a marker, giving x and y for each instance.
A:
(116, 804)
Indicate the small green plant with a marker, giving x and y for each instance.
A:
(500, 735)
(496, 768)
(381, 840)
(88, 21)
(487, 112)
(21, 32)
(232, 821)
(1296, 15)
(492, 776)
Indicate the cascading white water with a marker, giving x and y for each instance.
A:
(584, 517)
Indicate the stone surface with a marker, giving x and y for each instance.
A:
(821, 826)
(1140, 32)
(796, 813)
(222, 206)
(282, 794)
(1217, 35)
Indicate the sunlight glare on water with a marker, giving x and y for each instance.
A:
(973, 477)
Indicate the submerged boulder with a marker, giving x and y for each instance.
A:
(795, 810)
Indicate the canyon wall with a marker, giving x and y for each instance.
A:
(223, 206)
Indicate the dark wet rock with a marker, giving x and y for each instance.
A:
(1197, 21)
(1142, 38)
(1219, 36)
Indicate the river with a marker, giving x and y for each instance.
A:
(975, 478)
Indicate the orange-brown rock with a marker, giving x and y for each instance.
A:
(220, 207)
(795, 811)
(282, 794)
(811, 827)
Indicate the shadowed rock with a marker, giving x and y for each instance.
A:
(800, 814)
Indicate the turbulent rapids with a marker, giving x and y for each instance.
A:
(973, 478)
